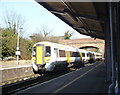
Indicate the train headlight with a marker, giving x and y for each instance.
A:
(33, 61)
(48, 61)
(34, 66)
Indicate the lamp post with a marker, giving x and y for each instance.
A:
(18, 45)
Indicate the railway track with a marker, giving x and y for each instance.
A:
(20, 85)
(17, 86)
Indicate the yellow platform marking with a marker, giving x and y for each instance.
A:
(66, 85)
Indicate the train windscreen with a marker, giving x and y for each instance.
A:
(34, 52)
(47, 51)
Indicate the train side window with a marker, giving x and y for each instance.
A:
(77, 54)
(62, 53)
(72, 54)
(83, 54)
(87, 55)
(47, 51)
(97, 55)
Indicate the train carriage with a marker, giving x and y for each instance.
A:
(48, 56)
(98, 56)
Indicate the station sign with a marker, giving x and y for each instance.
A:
(17, 52)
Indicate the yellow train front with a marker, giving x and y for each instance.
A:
(48, 56)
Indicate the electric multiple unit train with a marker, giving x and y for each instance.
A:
(48, 56)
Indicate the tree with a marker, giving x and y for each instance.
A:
(25, 48)
(37, 37)
(67, 35)
(8, 45)
(8, 42)
(13, 21)
(45, 32)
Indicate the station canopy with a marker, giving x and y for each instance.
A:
(87, 18)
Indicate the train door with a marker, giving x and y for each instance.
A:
(91, 55)
(83, 57)
(40, 54)
(68, 56)
(55, 54)
(80, 56)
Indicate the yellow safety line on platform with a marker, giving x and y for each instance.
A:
(56, 91)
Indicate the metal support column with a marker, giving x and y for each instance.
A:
(118, 48)
(112, 32)
(108, 53)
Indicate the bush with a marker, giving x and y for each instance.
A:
(9, 42)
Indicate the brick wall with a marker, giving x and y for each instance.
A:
(77, 43)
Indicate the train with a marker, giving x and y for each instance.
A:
(49, 56)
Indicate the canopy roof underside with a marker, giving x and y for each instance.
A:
(87, 18)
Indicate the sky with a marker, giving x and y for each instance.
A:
(36, 18)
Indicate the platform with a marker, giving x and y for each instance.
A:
(13, 64)
(90, 79)
(11, 71)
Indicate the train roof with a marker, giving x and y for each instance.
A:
(54, 44)
(64, 46)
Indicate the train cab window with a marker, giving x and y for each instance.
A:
(34, 52)
(83, 54)
(47, 51)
